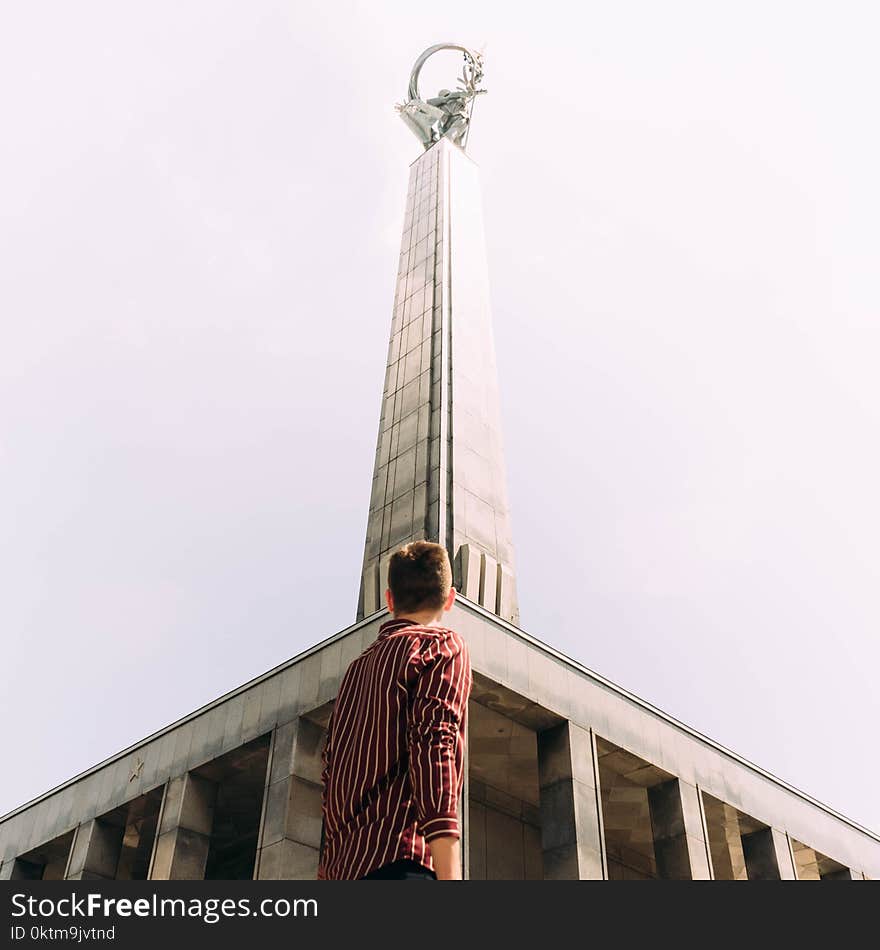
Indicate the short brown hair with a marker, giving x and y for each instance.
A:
(419, 577)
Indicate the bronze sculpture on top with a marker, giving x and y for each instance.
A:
(448, 114)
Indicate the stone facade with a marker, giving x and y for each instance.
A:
(569, 776)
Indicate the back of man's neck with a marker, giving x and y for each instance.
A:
(422, 620)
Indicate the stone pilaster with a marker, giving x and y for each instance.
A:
(844, 874)
(464, 812)
(679, 831)
(184, 833)
(94, 854)
(571, 819)
(290, 836)
(17, 869)
(768, 856)
(725, 839)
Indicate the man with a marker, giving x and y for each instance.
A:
(393, 759)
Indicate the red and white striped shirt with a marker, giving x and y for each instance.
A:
(393, 758)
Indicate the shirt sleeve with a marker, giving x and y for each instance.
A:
(436, 720)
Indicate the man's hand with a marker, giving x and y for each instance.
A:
(446, 853)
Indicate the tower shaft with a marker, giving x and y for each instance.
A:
(439, 471)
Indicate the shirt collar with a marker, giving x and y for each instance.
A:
(395, 623)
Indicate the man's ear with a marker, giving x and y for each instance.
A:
(450, 600)
(389, 600)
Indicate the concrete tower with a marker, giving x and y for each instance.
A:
(439, 471)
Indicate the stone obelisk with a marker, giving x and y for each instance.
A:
(439, 470)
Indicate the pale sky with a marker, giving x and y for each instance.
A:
(200, 213)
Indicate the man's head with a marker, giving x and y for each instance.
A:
(419, 581)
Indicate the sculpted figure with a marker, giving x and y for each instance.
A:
(446, 115)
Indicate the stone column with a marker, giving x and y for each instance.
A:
(94, 854)
(725, 841)
(679, 831)
(184, 833)
(17, 869)
(464, 814)
(572, 839)
(290, 836)
(844, 874)
(768, 856)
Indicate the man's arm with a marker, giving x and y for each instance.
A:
(446, 852)
(437, 715)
